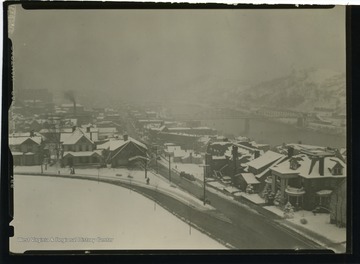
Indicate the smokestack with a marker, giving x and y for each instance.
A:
(69, 95)
(74, 108)
(256, 154)
(73, 128)
(125, 137)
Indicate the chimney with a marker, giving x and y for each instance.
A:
(32, 133)
(257, 154)
(73, 128)
(74, 108)
(321, 166)
(125, 137)
(290, 152)
(88, 129)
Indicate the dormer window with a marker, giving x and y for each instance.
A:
(336, 171)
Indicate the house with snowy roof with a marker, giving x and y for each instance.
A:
(258, 170)
(123, 152)
(26, 150)
(308, 180)
(78, 149)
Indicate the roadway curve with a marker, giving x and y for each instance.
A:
(247, 229)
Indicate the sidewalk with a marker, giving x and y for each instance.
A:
(318, 228)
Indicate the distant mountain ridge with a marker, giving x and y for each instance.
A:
(301, 90)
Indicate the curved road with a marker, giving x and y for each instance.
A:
(247, 229)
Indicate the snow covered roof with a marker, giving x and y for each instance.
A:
(15, 153)
(250, 178)
(73, 138)
(107, 130)
(324, 192)
(179, 153)
(114, 144)
(14, 141)
(309, 168)
(81, 153)
(172, 148)
(221, 143)
(265, 160)
(231, 189)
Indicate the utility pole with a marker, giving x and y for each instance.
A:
(204, 196)
(146, 168)
(156, 160)
(169, 168)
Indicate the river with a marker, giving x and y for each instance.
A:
(261, 130)
(274, 133)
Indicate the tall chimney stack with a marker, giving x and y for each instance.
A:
(125, 137)
(74, 108)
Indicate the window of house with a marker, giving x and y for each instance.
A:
(337, 171)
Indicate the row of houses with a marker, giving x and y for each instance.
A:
(308, 177)
(77, 148)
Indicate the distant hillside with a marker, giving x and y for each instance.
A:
(300, 90)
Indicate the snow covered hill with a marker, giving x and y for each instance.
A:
(301, 90)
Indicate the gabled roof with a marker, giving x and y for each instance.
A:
(14, 141)
(81, 153)
(73, 138)
(265, 160)
(114, 144)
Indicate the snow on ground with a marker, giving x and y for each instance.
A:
(106, 216)
(217, 185)
(319, 223)
(128, 176)
(190, 168)
(255, 198)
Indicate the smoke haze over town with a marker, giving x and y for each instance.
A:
(141, 54)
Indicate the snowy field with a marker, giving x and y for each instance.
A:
(65, 214)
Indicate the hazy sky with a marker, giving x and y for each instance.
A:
(145, 52)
